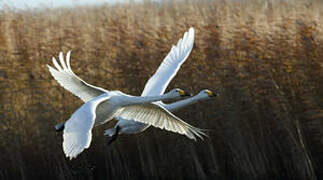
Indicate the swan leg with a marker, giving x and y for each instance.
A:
(115, 135)
(60, 127)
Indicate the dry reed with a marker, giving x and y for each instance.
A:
(264, 58)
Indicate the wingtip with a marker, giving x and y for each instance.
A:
(191, 31)
(200, 133)
(50, 68)
(69, 155)
(68, 59)
(54, 60)
(68, 54)
(62, 60)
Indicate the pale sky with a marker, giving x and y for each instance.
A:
(22, 4)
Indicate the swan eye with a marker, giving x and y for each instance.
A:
(181, 92)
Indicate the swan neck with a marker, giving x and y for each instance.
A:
(133, 100)
(182, 103)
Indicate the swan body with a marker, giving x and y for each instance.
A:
(77, 133)
(107, 110)
(129, 126)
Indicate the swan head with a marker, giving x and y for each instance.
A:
(178, 93)
(207, 93)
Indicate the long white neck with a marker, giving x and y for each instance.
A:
(133, 100)
(182, 103)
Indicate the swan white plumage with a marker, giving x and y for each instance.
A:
(77, 133)
(201, 96)
(128, 126)
(102, 105)
(156, 85)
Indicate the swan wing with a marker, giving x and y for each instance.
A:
(64, 75)
(77, 133)
(157, 116)
(158, 83)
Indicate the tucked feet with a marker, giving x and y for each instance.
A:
(115, 135)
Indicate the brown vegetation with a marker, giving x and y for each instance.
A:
(264, 59)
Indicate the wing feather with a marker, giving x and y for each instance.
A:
(158, 83)
(157, 116)
(64, 75)
(77, 134)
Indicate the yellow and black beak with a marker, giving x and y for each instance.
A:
(183, 93)
(211, 94)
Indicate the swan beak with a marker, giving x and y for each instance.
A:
(182, 93)
(211, 94)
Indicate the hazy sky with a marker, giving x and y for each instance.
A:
(21, 4)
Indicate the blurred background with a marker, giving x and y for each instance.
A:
(264, 58)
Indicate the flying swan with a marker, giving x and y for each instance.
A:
(157, 85)
(103, 105)
(129, 126)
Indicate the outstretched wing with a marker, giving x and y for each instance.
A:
(77, 134)
(66, 78)
(158, 83)
(155, 115)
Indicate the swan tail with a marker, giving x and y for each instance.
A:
(60, 127)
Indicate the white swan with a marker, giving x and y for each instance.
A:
(159, 81)
(107, 104)
(128, 126)
(156, 85)
(103, 106)
(78, 129)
